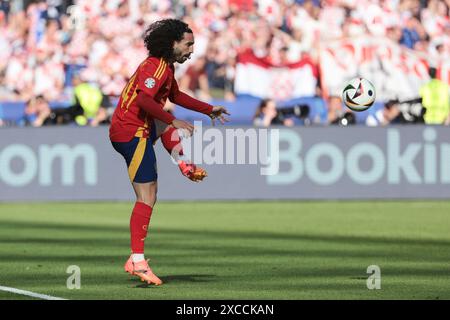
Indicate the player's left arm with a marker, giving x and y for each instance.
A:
(214, 112)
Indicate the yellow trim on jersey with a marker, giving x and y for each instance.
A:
(137, 158)
(128, 87)
(164, 71)
(161, 70)
(131, 100)
(159, 67)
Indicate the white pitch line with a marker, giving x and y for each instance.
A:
(29, 293)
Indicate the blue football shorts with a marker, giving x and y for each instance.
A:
(140, 157)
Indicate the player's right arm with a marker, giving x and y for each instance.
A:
(148, 104)
(184, 100)
(149, 83)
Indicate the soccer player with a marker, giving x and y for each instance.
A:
(139, 120)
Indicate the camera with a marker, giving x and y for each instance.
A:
(345, 119)
(411, 111)
(300, 111)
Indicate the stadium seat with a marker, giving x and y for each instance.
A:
(11, 111)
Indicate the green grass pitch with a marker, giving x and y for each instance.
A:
(225, 250)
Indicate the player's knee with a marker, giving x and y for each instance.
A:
(150, 201)
(153, 198)
(148, 195)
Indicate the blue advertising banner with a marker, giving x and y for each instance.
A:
(71, 163)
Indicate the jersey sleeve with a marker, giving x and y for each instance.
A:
(152, 108)
(150, 76)
(188, 102)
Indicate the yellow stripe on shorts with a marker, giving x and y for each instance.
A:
(137, 158)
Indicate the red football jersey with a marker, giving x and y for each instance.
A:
(154, 77)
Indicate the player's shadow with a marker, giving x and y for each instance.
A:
(182, 278)
(188, 278)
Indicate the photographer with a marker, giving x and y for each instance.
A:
(89, 107)
(37, 113)
(267, 115)
(389, 114)
(398, 112)
(336, 113)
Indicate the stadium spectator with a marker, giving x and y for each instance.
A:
(230, 74)
(412, 33)
(90, 106)
(335, 109)
(436, 100)
(37, 112)
(45, 44)
(6, 92)
(90, 103)
(337, 115)
(195, 81)
(389, 114)
(267, 115)
(215, 67)
(394, 32)
(48, 74)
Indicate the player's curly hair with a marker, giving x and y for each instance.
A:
(160, 36)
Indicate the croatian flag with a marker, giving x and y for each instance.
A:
(260, 78)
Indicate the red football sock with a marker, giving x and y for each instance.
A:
(140, 219)
(172, 142)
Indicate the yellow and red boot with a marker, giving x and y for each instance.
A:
(191, 171)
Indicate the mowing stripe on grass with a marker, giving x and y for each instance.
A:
(29, 293)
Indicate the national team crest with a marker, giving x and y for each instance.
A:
(149, 83)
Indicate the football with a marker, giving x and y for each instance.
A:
(358, 94)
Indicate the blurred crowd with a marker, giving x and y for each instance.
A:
(44, 44)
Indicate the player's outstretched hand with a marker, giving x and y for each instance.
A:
(218, 112)
(180, 124)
